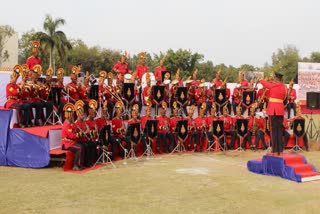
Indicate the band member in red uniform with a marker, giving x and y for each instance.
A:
(262, 98)
(144, 120)
(103, 119)
(228, 127)
(212, 117)
(133, 120)
(291, 97)
(141, 69)
(158, 71)
(210, 95)
(34, 59)
(216, 82)
(255, 128)
(200, 95)
(173, 123)
(118, 130)
(147, 92)
(13, 93)
(92, 127)
(73, 88)
(164, 134)
(37, 101)
(69, 137)
(275, 110)
(192, 134)
(122, 67)
(201, 128)
(234, 124)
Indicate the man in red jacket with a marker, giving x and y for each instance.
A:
(275, 110)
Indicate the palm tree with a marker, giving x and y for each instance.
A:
(54, 40)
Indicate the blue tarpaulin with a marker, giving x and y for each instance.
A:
(5, 117)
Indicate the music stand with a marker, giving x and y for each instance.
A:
(128, 96)
(220, 97)
(55, 93)
(182, 98)
(150, 132)
(158, 95)
(248, 98)
(104, 142)
(217, 134)
(133, 131)
(242, 131)
(298, 131)
(182, 132)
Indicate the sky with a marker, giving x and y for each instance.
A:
(233, 32)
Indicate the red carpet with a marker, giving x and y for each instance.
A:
(41, 131)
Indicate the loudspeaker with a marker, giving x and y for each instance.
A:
(313, 99)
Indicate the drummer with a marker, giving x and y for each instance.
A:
(122, 67)
(159, 70)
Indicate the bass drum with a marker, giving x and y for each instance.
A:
(144, 80)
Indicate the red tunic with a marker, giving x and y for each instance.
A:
(217, 83)
(68, 134)
(83, 127)
(141, 70)
(101, 123)
(73, 91)
(227, 122)
(32, 61)
(163, 124)
(158, 74)
(121, 68)
(116, 127)
(277, 94)
(12, 94)
(292, 95)
(93, 129)
(200, 123)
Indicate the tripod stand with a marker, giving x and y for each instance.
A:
(148, 151)
(240, 149)
(179, 147)
(104, 157)
(296, 148)
(53, 114)
(312, 125)
(216, 143)
(131, 154)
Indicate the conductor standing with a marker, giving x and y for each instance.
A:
(275, 110)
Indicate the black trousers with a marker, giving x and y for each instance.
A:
(276, 133)
(24, 111)
(289, 107)
(163, 137)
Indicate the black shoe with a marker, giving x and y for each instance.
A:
(77, 168)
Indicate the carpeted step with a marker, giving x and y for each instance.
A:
(308, 174)
(301, 168)
(293, 159)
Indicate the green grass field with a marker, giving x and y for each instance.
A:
(188, 183)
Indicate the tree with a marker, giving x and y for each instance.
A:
(54, 41)
(286, 61)
(5, 32)
(315, 57)
(25, 49)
